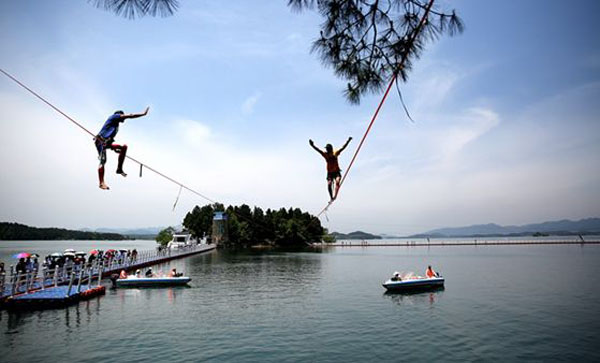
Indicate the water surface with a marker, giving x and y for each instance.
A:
(500, 303)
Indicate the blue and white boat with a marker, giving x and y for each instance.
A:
(132, 281)
(413, 283)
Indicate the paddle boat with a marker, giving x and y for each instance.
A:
(410, 282)
(149, 280)
(132, 281)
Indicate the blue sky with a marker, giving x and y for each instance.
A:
(506, 129)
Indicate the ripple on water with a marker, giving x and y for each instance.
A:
(273, 307)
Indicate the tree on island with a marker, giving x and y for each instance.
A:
(366, 42)
(252, 226)
(165, 236)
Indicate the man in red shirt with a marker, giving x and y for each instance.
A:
(333, 168)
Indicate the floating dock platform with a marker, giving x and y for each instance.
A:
(52, 298)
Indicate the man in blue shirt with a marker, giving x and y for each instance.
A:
(105, 140)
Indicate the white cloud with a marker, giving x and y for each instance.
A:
(250, 102)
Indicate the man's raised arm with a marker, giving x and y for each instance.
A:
(136, 115)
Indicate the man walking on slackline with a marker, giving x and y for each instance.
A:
(105, 140)
(333, 168)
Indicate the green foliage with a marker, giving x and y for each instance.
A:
(138, 8)
(327, 237)
(15, 231)
(253, 226)
(199, 221)
(366, 42)
(165, 236)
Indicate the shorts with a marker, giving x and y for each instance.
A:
(331, 175)
(101, 146)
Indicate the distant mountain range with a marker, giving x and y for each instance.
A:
(562, 227)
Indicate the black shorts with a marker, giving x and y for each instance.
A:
(331, 175)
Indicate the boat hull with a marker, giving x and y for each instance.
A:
(414, 284)
(153, 282)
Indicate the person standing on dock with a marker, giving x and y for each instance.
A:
(333, 168)
(105, 140)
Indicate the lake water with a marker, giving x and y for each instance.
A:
(501, 303)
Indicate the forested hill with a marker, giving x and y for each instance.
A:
(16, 231)
(354, 235)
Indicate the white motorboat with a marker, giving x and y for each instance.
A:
(181, 240)
(411, 282)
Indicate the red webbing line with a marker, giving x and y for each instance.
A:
(387, 91)
(337, 192)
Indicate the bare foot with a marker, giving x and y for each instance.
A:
(121, 172)
(104, 186)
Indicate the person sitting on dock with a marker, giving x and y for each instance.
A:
(123, 274)
(333, 168)
(430, 273)
(105, 140)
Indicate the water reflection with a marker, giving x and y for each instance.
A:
(70, 317)
(415, 297)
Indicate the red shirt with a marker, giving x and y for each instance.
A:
(332, 161)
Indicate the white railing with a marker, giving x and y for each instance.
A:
(17, 283)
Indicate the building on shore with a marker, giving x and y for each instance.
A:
(220, 233)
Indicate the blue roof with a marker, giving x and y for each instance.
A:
(220, 216)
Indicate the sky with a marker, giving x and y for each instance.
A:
(506, 114)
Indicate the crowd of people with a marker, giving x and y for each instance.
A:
(69, 259)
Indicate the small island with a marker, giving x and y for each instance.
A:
(360, 235)
(246, 227)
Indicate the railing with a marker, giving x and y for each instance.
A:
(18, 283)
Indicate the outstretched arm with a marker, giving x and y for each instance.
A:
(314, 147)
(346, 144)
(136, 115)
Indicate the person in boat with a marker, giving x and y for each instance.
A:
(333, 168)
(105, 140)
(396, 277)
(149, 273)
(138, 273)
(430, 273)
(173, 273)
(123, 274)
